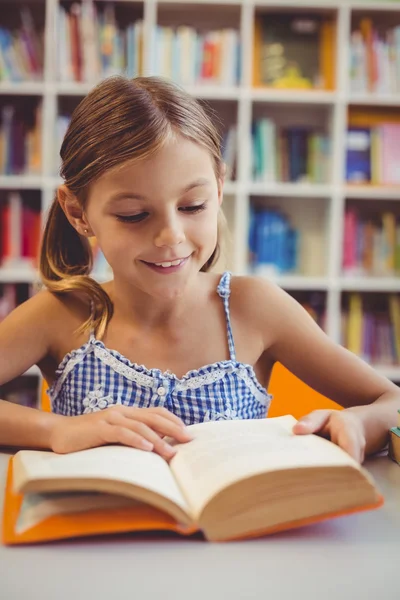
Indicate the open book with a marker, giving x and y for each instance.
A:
(235, 479)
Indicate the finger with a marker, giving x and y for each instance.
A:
(142, 415)
(146, 433)
(114, 434)
(313, 422)
(349, 442)
(165, 427)
(164, 412)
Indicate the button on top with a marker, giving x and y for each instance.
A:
(161, 391)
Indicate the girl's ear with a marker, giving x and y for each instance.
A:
(73, 211)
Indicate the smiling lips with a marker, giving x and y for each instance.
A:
(173, 263)
(167, 266)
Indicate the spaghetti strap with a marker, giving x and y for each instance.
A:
(224, 291)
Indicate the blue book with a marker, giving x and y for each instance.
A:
(358, 155)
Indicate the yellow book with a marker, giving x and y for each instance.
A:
(355, 324)
(328, 53)
(375, 156)
(389, 231)
(394, 311)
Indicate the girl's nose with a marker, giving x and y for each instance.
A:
(170, 234)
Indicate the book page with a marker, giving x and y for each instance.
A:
(224, 452)
(114, 463)
(35, 508)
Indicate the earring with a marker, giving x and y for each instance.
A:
(86, 230)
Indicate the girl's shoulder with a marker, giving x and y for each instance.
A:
(260, 302)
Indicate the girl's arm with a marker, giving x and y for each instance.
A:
(25, 337)
(297, 342)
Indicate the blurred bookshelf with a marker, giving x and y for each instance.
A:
(306, 95)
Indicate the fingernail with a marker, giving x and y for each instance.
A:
(169, 449)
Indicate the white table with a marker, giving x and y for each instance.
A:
(355, 557)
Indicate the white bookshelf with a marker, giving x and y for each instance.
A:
(329, 199)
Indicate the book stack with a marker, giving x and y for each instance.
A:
(291, 154)
(371, 245)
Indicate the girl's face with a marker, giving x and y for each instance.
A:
(156, 219)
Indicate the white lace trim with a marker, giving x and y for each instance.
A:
(262, 397)
(71, 363)
(127, 371)
(148, 381)
(203, 379)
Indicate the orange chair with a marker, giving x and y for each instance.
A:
(293, 397)
(44, 399)
(290, 395)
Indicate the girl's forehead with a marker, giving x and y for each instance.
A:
(180, 158)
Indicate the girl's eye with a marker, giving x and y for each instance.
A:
(193, 209)
(132, 218)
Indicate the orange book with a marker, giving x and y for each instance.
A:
(328, 54)
(236, 479)
(366, 28)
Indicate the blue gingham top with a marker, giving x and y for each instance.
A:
(94, 377)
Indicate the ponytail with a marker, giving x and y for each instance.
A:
(66, 261)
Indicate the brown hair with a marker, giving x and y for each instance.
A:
(119, 120)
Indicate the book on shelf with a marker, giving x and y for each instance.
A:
(20, 231)
(289, 154)
(371, 329)
(192, 57)
(371, 244)
(91, 45)
(20, 141)
(394, 441)
(273, 242)
(373, 155)
(235, 479)
(21, 50)
(294, 51)
(374, 59)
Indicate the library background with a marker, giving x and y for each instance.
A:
(306, 96)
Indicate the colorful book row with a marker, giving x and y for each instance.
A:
(371, 245)
(373, 154)
(371, 332)
(21, 50)
(20, 140)
(375, 59)
(291, 154)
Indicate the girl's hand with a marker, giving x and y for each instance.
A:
(343, 427)
(141, 428)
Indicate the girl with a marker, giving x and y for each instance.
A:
(166, 343)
